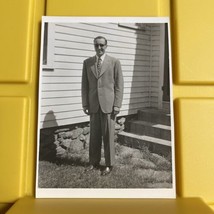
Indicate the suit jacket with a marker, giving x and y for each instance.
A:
(105, 90)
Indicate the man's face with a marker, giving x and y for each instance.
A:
(100, 46)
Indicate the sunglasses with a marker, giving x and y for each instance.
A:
(97, 45)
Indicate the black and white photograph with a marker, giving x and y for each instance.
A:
(105, 108)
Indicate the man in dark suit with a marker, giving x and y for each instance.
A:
(102, 94)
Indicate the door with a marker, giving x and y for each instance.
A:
(166, 84)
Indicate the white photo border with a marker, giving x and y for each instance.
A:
(107, 193)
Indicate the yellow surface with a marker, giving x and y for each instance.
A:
(196, 169)
(4, 208)
(19, 43)
(193, 32)
(110, 8)
(15, 22)
(104, 206)
(12, 151)
(193, 65)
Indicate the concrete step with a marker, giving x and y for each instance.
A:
(159, 146)
(150, 129)
(154, 116)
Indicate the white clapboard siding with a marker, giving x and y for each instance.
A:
(65, 114)
(60, 87)
(64, 59)
(145, 44)
(155, 64)
(53, 121)
(77, 73)
(62, 73)
(61, 108)
(85, 54)
(78, 118)
(66, 87)
(58, 94)
(67, 106)
(73, 94)
(76, 100)
(75, 107)
(74, 113)
(111, 49)
(78, 79)
(111, 26)
(61, 80)
(133, 90)
(71, 60)
(111, 29)
(116, 35)
(72, 66)
(134, 106)
(137, 50)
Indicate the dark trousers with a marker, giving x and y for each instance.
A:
(102, 128)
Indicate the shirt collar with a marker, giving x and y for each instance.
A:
(102, 57)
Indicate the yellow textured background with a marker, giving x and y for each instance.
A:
(193, 87)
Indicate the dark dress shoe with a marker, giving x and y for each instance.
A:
(106, 171)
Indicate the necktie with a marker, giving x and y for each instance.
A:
(99, 66)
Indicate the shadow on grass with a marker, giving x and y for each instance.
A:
(47, 149)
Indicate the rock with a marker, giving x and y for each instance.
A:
(86, 130)
(60, 140)
(55, 136)
(122, 120)
(77, 132)
(87, 138)
(82, 137)
(76, 146)
(57, 143)
(61, 130)
(122, 127)
(62, 134)
(66, 143)
(115, 138)
(117, 126)
(116, 132)
(119, 129)
(60, 151)
(86, 142)
(69, 134)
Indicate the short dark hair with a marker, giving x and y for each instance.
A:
(100, 37)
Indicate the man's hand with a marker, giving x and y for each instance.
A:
(116, 110)
(85, 109)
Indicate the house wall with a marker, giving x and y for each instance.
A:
(157, 64)
(137, 50)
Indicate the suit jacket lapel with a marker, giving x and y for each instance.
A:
(105, 65)
(94, 66)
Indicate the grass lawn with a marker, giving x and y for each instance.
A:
(133, 169)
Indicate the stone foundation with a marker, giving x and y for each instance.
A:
(72, 141)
